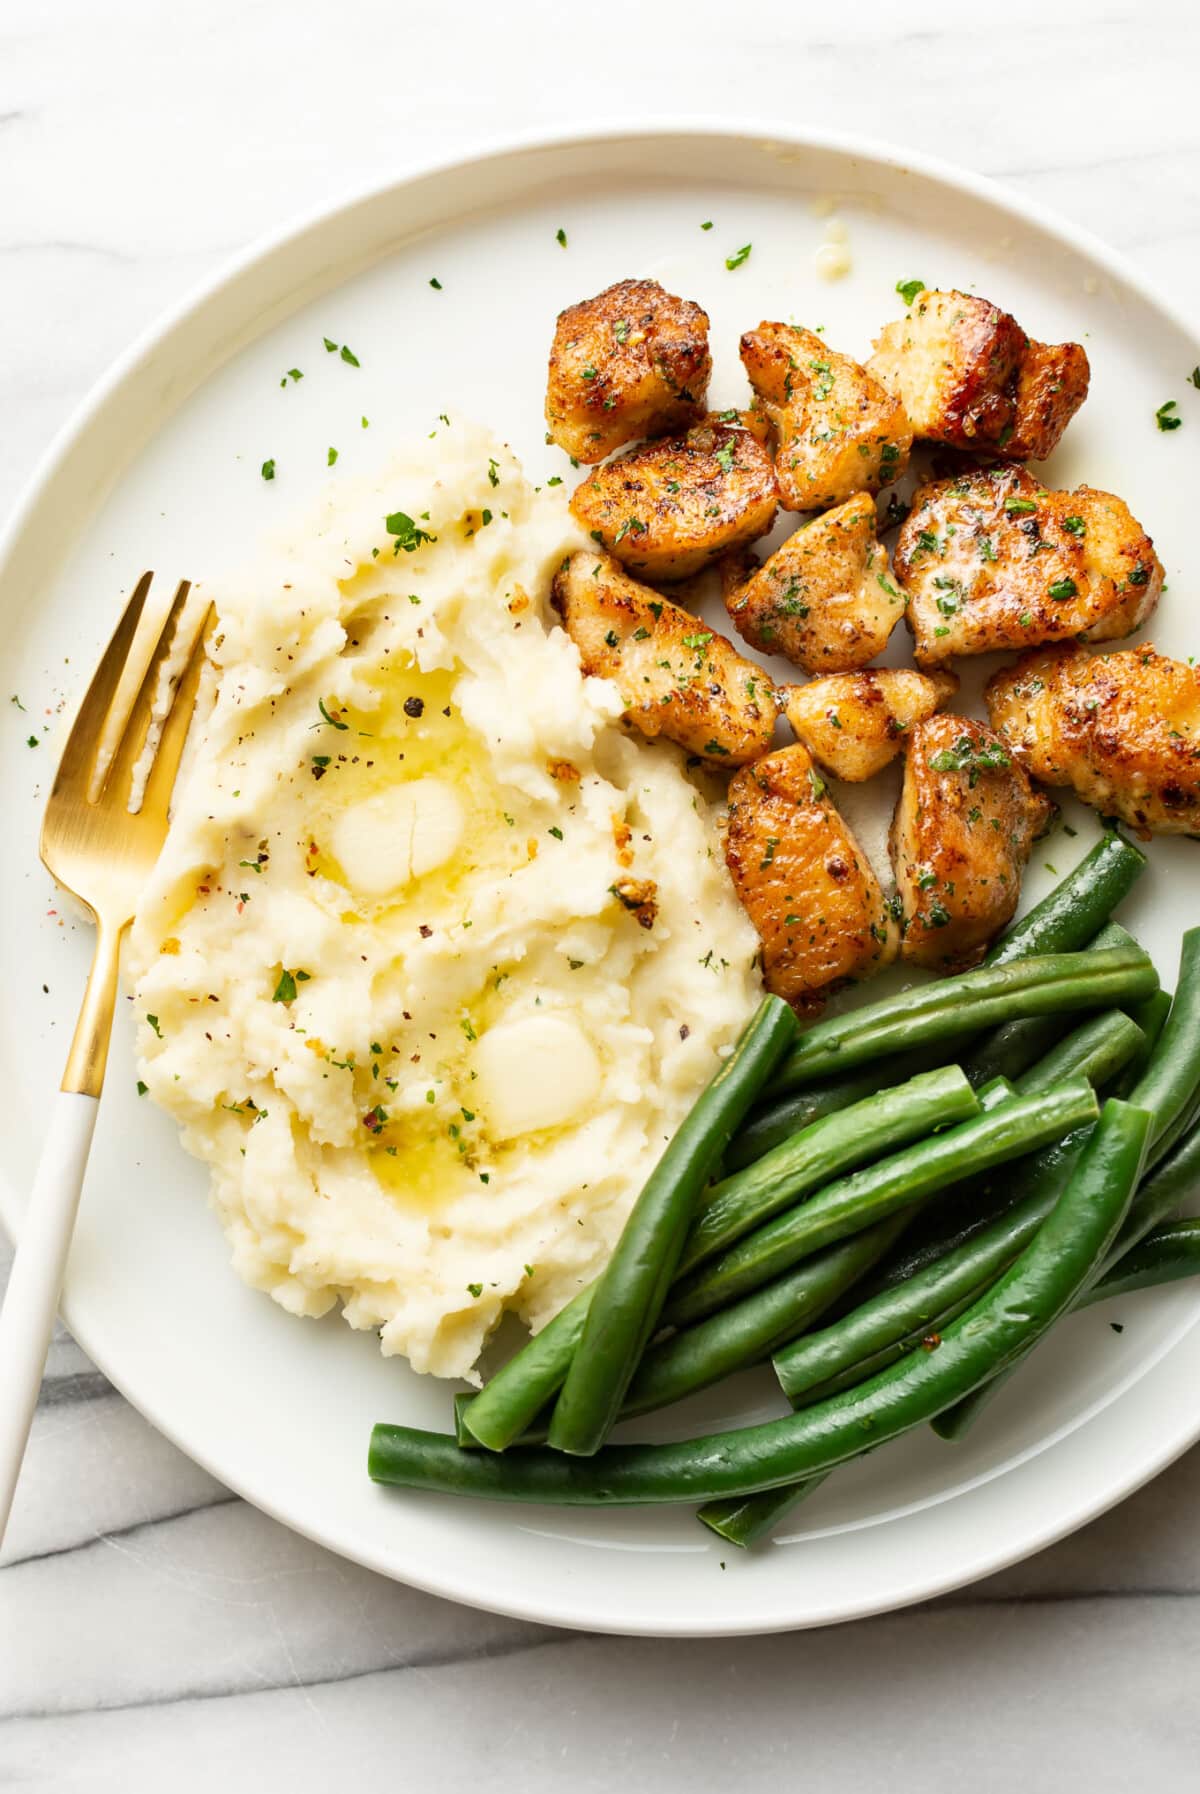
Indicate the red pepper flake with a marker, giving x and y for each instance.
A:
(931, 1342)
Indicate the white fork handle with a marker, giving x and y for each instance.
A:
(27, 1319)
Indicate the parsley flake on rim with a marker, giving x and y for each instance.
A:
(908, 289)
(268, 469)
(738, 257)
(560, 237)
(350, 357)
(330, 457)
(435, 283)
(1163, 417)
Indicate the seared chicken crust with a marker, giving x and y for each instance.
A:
(669, 508)
(804, 881)
(837, 430)
(853, 724)
(824, 598)
(964, 825)
(634, 361)
(968, 375)
(1122, 729)
(676, 677)
(992, 560)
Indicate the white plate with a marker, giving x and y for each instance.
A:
(162, 468)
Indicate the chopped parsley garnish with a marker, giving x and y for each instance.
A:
(714, 747)
(707, 225)
(738, 257)
(560, 237)
(285, 990)
(408, 536)
(435, 283)
(1194, 376)
(908, 289)
(819, 787)
(293, 374)
(724, 458)
(556, 832)
(937, 915)
(331, 720)
(268, 469)
(1075, 526)
(554, 480)
(1163, 416)
(349, 356)
(153, 1021)
(476, 1289)
(31, 741)
(493, 472)
(966, 757)
(621, 330)
(330, 457)
(330, 348)
(1062, 589)
(142, 1088)
(1019, 507)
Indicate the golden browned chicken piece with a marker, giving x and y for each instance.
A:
(836, 429)
(671, 507)
(824, 598)
(993, 560)
(853, 724)
(804, 881)
(968, 375)
(676, 678)
(961, 835)
(1122, 729)
(631, 362)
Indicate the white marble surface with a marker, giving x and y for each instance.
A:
(151, 1625)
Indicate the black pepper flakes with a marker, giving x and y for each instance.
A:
(414, 706)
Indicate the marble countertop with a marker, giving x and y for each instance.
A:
(152, 1624)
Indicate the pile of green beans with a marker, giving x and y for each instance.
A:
(804, 1253)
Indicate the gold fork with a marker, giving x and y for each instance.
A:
(102, 851)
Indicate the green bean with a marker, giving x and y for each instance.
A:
(893, 1313)
(831, 1146)
(1173, 1180)
(1164, 1256)
(1096, 1051)
(1079, 904)
(1013, 1048)
(748, 1331)
(625, 1305)
(1093, 1050)
(1066, 920)
(1150, 1015)
(1169, 1081)
(956, 1007)
(748, 1518)
(868, 1195)
(1167, 1091)
(927, 1334)
(510, 1402)
(999, 1329)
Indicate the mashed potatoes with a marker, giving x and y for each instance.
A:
(436, 957)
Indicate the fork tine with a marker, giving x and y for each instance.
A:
(169, 752)
(118, 774)
(80, 751)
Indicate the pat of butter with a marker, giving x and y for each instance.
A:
(538, 1072)
(388, 840)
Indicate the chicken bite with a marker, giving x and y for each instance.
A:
(824, 598)
(993, 560)
(968, 375)
(961, 836)
(1122, 729)
(676, 678)
(804, 881)
(669, 508)
(634, 361)
(853, 724)
(836, 429)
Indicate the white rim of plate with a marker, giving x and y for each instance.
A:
(764, 132)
